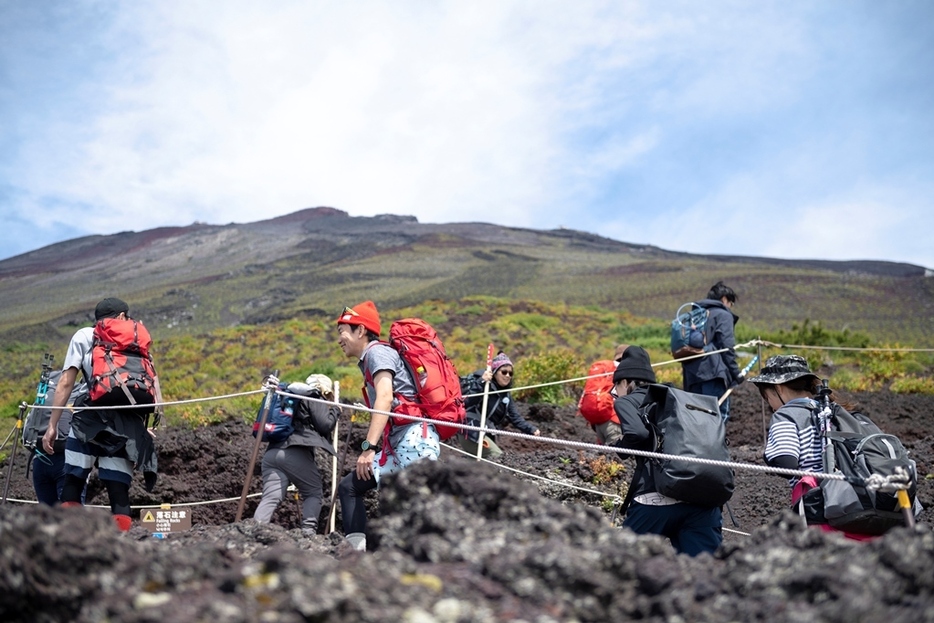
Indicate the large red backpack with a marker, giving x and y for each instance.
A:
(121, 367)
(436, 380)
(596, 403)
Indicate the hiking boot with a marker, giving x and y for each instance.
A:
(356, 540)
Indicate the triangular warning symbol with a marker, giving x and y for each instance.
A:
(149, 516)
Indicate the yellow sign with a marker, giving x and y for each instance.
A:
(165, 519)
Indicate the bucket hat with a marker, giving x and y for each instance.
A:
(322, 383)
(780, 369)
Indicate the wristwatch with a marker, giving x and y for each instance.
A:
(366, 445)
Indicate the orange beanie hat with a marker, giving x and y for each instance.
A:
(363, 314)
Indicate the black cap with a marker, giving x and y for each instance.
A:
(634, 365)
(110, 308)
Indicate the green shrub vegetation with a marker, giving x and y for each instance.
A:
(547, 342)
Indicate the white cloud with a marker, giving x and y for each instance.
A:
(531, 114)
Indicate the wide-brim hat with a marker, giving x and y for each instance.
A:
(322, 383)
(781, 369)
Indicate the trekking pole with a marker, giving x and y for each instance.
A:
(486, 400)
(19, 427)
(343, 457)
(267, 403)
(824, 421)
(42, 393)
(901, 493)
(332, 515)
(765, 428)
(742, 373)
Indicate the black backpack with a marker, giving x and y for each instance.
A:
(686, 424)
(858, 449)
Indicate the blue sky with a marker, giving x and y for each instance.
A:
(786, 129)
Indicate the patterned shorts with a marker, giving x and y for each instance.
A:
(416, 445)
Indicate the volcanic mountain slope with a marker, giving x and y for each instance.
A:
(199, 277)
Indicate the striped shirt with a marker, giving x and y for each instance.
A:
(794, 432)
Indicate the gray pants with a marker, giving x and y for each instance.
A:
(490, 449)
(294, 464)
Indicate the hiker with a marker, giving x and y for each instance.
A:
(795, 441)
(391, 444)
(692, 529)
(500, 407)
(48, 470)
(117, 440)
(597, 400)
(714, 374)
(293, 459)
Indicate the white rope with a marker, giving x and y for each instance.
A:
(852, 348)
(203, 503)
(793, 473)
(617, 498)
(153, 404)
(594, 376)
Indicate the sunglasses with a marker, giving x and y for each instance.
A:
(348, 311)
(505, 372)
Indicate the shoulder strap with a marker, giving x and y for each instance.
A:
(631, 493)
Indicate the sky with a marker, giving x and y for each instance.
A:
(785, 129)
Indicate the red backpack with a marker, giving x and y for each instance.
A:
(120, 360)
(436, 380)
(596, 403)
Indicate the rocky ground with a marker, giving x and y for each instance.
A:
(459, 541)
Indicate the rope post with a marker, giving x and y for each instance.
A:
(332, 513)
(267, 403)
(486, 400)
(16, 436)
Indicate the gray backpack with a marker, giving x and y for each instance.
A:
(37, 420)
(686, 424)
(858, 449)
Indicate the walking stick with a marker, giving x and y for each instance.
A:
(742, 373)
(267, 403)
(332, 514)
(486, 398)
(19, 428)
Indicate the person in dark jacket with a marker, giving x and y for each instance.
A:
(501, 408)
(293, 460)
(691, 529)
(714, 374)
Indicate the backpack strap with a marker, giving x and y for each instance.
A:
(631, 493)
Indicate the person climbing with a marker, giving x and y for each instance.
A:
(118, 440)
(795, 440)
(692, 529)
(714, 374)
(501, 408)
(390, 444)
(293, 459)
